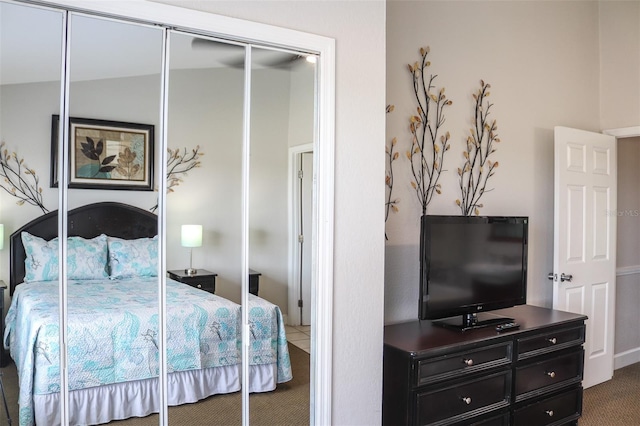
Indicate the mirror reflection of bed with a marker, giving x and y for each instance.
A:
(205, 110)
(112, 323)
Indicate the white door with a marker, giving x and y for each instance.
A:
(306, 205)
(300, 233)
(584, 263)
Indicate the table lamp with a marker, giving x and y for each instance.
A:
(191, 236)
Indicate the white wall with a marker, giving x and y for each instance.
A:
(206, 109)
(268, 214)
(541, 61)
(301, 104)
(619, 63)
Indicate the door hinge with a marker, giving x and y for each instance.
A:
(301, 238)
(299, 303)
(300, 174)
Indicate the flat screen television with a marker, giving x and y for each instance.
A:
(471, 265)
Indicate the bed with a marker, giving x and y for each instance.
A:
(112, 329)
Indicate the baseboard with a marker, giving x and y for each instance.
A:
(626, 358)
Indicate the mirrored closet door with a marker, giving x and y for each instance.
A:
(205, 105)
(30, 92)
(113, 333)
(282, 117)
(169, 154)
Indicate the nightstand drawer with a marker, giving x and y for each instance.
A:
(548, 375)
(464, 400)
(549, 342)
(203, 279)
(558, 409)
(207, 285)
(441, 368)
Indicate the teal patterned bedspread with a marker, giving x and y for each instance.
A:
(113, 334)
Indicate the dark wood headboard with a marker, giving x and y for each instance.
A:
(113, 219)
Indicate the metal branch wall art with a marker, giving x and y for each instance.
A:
(179, 162)
(477, 167)
(391, 204)
(19, 180)
(429, 141)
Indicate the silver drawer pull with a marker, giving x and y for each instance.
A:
(549, 413)
(468, 362)
(199, 285)
(552, 340)
(551, 374)
(466, 400)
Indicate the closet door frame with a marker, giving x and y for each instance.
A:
(324, 153)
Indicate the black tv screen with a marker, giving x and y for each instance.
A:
(471, 265)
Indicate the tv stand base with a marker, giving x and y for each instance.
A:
(471, 321)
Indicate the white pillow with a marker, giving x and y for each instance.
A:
(133, 258)
(86, 258)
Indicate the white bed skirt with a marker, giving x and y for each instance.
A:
(119, 401)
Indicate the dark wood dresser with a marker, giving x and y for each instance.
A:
(528, 376)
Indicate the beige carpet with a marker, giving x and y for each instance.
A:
(616, 402)
(288, 405)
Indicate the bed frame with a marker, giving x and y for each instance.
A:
(89, 221)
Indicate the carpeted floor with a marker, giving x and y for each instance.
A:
(287, 405)
(615, 402)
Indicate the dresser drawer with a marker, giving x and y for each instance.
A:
(500, 420)
(549, 374)
(559, 409)
(464, 400)
(549, 342)
(441, 368)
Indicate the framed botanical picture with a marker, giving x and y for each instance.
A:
(106, 154)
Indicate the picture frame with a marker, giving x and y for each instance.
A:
(106, 154)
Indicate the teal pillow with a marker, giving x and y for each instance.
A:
(86, 258)
(133, 258)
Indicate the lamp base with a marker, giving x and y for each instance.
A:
(190, 271)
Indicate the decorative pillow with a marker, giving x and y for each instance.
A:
(86, 258)
(133, 258)
(41, 261)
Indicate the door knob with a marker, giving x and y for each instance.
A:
(553, 277)
(564, 277)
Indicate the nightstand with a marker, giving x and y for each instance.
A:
(254, 281)
(203, 279)
(4, 358)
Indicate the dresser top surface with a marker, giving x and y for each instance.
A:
(418, 336)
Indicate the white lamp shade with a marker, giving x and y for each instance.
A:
(191, 236)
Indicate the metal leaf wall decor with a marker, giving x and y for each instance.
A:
(391, 204)
(480, 144)
(429, 142)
